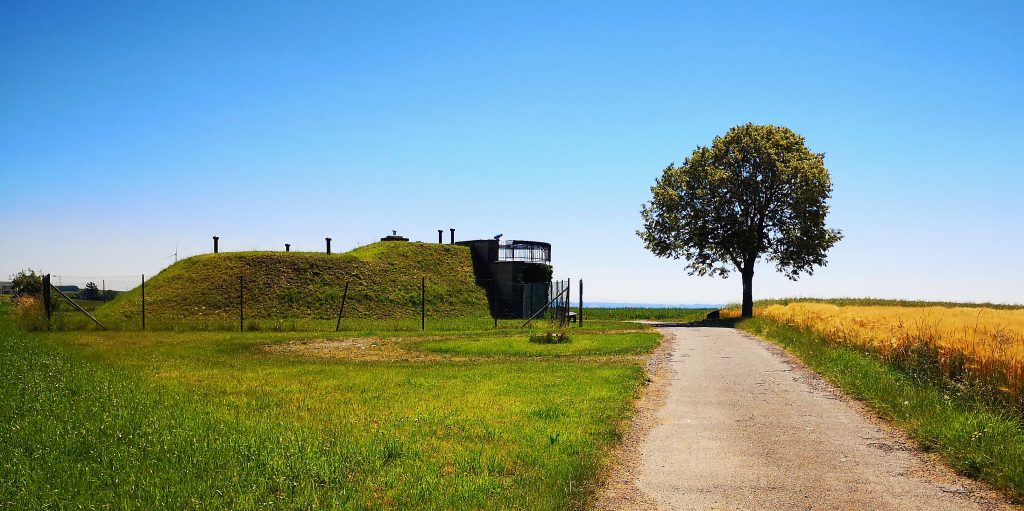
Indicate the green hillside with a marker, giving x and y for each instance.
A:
(384, 282)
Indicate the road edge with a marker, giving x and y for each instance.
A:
(617, 484)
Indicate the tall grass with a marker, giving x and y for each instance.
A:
(978, 349)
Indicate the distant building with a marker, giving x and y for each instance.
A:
(69, 289)
(6, 288)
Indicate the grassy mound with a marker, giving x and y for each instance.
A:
(384, 282)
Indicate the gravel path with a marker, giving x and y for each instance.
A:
(731, 422)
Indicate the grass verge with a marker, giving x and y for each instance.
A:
(976, 439)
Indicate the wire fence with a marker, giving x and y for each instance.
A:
(241, 304)
(112, 282)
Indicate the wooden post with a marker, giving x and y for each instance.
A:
(47, 305)
(579, 315)
(241, 304)
(344, 295)
(423, 304)
(143, 301)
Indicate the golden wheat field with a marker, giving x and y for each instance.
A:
(977, 331)
(978, 343)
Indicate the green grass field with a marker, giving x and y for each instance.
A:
(385, 416)
(468, 419)
(671, 315)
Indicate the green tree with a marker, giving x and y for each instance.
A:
(91, 292)
(757, 192)
(27, 283)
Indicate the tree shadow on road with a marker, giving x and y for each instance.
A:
(706, 323)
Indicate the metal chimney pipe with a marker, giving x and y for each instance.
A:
(287, 247)
(440, 234)
(328, 245)
(215, 247)
(453, 236)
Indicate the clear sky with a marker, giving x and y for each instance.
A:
(128, 128)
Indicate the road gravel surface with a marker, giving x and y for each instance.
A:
(732, 422)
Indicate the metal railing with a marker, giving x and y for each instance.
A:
(524, 251)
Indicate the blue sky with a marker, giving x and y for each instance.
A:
(130, 127)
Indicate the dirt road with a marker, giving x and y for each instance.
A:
(732, 422)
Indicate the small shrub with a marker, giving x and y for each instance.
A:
(551, 337)
(27, 283)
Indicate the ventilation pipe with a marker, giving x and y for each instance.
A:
(215, 247)
(328, 245)
(453, 235)
(287, 247)
(440, 234)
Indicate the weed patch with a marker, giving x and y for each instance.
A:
(559, 337)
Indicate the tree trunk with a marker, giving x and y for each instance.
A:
(748, 293)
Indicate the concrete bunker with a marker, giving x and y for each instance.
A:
(516, 275)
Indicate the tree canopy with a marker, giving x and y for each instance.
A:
(27, 283)
(91, 292)
(757, 192)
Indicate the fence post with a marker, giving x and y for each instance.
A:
(579, 315)
(143, 301)
(344, 295)
(241, 304)
(568, 300)
(423, 304)
(47, 306)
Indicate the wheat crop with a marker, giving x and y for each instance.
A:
(969, 346)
